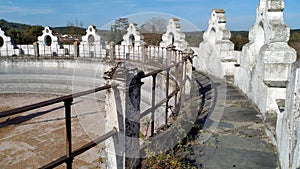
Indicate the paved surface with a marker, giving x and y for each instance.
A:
(232, 135)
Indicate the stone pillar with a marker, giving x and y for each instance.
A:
(36, 49)
(188, 54)
(123, 107)
(132, 120)
(112, 49)
(114, 146)
(76, 49)
(144, 53)
(170, 50)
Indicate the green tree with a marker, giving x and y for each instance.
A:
(121, 24)
(118, 29)
(15, 35)
(31, 34)
(154, 25)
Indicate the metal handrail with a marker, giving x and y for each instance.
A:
(81, 150)
(50, 102)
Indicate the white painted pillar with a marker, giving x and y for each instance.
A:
(123, 112)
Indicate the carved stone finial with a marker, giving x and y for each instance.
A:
(174, 35)
(133, 36)
(269, 18)
(217, 30)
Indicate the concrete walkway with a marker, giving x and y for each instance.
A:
(232, 134)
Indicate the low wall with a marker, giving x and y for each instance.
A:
(50, 76)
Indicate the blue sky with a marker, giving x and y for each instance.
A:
(240, 13)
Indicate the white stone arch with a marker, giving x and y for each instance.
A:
(212, 36)
(267, 37)
(6, 45)
(172, 37)
(91, 44)
(132, 40)
(47, 33)
(259, 39)
(91, 37)
(178, 38)
(49, 44)
(5, 40)
(132, 37)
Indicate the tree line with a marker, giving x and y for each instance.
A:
(28, 34)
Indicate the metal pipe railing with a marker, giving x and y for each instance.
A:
(51, 101)
(81, 150)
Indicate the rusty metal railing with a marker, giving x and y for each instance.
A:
(168, 95)
(68, 158)
(68, 99)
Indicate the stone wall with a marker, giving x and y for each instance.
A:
(263, 70)
(288, 123)
(28, 50)
(50, 76)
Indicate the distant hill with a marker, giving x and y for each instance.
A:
(4, 25)
(194, 38)
(69, 30)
